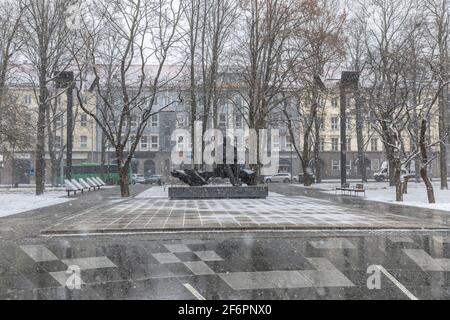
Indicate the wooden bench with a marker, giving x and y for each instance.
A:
(359, 189)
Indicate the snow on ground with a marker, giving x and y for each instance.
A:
(14, 201)
(382, 192)
(154, 192)
(163, 192)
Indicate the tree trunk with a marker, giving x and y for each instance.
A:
(124, 182)
(40, 146)
(306, 175)
(123, 171)
(103, 156)
(317, 162)
(305, 163)
(398, 179)
(428, 184)
(360, 137)
(405, 185)
(424, 168)
(442, 137)
(391, 172)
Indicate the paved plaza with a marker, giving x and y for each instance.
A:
(295, 245)
(158, 213)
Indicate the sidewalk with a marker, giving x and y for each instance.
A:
(382, 192)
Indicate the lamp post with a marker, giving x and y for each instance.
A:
(349, 82)
(65, 80)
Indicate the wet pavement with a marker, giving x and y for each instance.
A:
(278, 212)
(302, 265)
(410, 263)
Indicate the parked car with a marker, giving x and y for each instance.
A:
(383, 175)
(137, 178)
(301, 178)
(280, 177)
(154, 179)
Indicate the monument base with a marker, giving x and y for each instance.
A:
(219, 192)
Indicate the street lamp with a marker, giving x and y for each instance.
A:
(349, 82)
(65, 80)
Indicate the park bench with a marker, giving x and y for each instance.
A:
(70, 187)
(85, 184)
(93, 183)
(78, 185)
(359, 189)
(97, 180)
(103, 182)
(346, 188)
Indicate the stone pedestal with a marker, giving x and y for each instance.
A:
(218, 192)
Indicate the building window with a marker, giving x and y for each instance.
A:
(83, 142)
(180, 143)
(375, 165)
(238, 102)
(374, 145)
(289, 143)
(349, 144)
(155, 121)
(321, 123)
(349, 165)
(321, 144)
(58, 122)
(144, 143)
(134, 122)
(84, 120)
(131, 141)
(182, 120)
(335, 144)
(336, 165)
(27, 99)
(335, 123)
(222, 120)
(349, 124)
(335, 102)
(276, 143)
(57, 142)
(155, 142)
(239, 121)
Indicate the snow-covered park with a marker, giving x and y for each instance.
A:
(14, 201)
(382, 192)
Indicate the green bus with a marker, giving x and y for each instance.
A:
(91, 170)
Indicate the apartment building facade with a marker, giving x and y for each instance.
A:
(153, 155)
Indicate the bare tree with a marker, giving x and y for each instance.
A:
(355, 45)
(45, 34)
(386, 38)
(10, 19)
(209, 30)
(193, 12)
(266, 57)
(126, 86)
(322, 46)
(439, 31)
